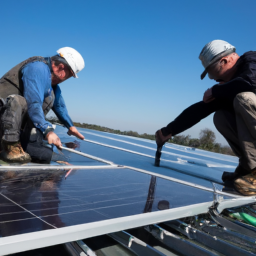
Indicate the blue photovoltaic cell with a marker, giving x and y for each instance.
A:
(177, 169)
(30, 202)
(172, 148)
(206, 165)
(34, 200)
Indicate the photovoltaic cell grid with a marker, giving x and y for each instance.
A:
(179, 162)
(29, 203)
(33, 200)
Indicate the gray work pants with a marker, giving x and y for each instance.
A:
(239, 128)
(12, 115)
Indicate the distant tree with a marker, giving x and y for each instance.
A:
(217, 147)
(195, 143)
(227, 150)
(207, 139)
(181, 139)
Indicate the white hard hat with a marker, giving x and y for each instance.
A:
(73, 58)
(214, 51)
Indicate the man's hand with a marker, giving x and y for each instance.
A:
(53, 139)
(208, 96)
(73, 131)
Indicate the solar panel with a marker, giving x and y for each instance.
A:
(115, 187)
(141, 157)
(85, 196)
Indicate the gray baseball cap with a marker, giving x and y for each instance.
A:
(213, 52)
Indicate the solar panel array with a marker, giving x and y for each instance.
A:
(39, 198)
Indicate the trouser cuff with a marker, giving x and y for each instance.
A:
(13, 137)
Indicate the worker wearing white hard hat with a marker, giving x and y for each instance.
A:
(26, 88)
(73, 58)
(233, 100)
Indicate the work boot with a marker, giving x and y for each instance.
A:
(246, 185)
(13, 152)
(161, 139)
(230, 176)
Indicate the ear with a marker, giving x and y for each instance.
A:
(224, 60)
(61, 66)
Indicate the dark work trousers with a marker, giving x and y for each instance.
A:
(17, 126)
(239, 128)
(235, 120)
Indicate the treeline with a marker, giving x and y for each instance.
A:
(106, 129)
(206, 140)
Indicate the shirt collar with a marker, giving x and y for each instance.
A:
(48, 62)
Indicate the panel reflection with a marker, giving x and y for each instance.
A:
(33, 200)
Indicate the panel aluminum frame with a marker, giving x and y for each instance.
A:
(30, 241)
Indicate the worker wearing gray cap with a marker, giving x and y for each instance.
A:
(234, 102)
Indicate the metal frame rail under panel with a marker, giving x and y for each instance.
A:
(134, 244)
(177, 243)
(218, 245)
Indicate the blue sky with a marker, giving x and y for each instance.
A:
(141, 57)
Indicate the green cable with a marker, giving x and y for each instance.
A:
(248, 218)
(236, 215)
(243, 217)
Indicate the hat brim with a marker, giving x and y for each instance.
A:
(73, 73)
(203, 74)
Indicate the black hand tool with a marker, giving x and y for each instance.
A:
(158, 155)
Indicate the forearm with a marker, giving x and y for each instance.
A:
(64, 118)
(191, 116)
(231, 89)
(60, 109)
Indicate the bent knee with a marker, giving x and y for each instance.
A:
(16, 97)
(15, 101)
(244, 98)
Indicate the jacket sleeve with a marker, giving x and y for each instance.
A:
(36, 77)
(60, 109)
(230, 89)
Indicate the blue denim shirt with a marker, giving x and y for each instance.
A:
(36, 77)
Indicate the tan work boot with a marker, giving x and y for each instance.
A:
(161, 139)
(13, 152)
(246, 185)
